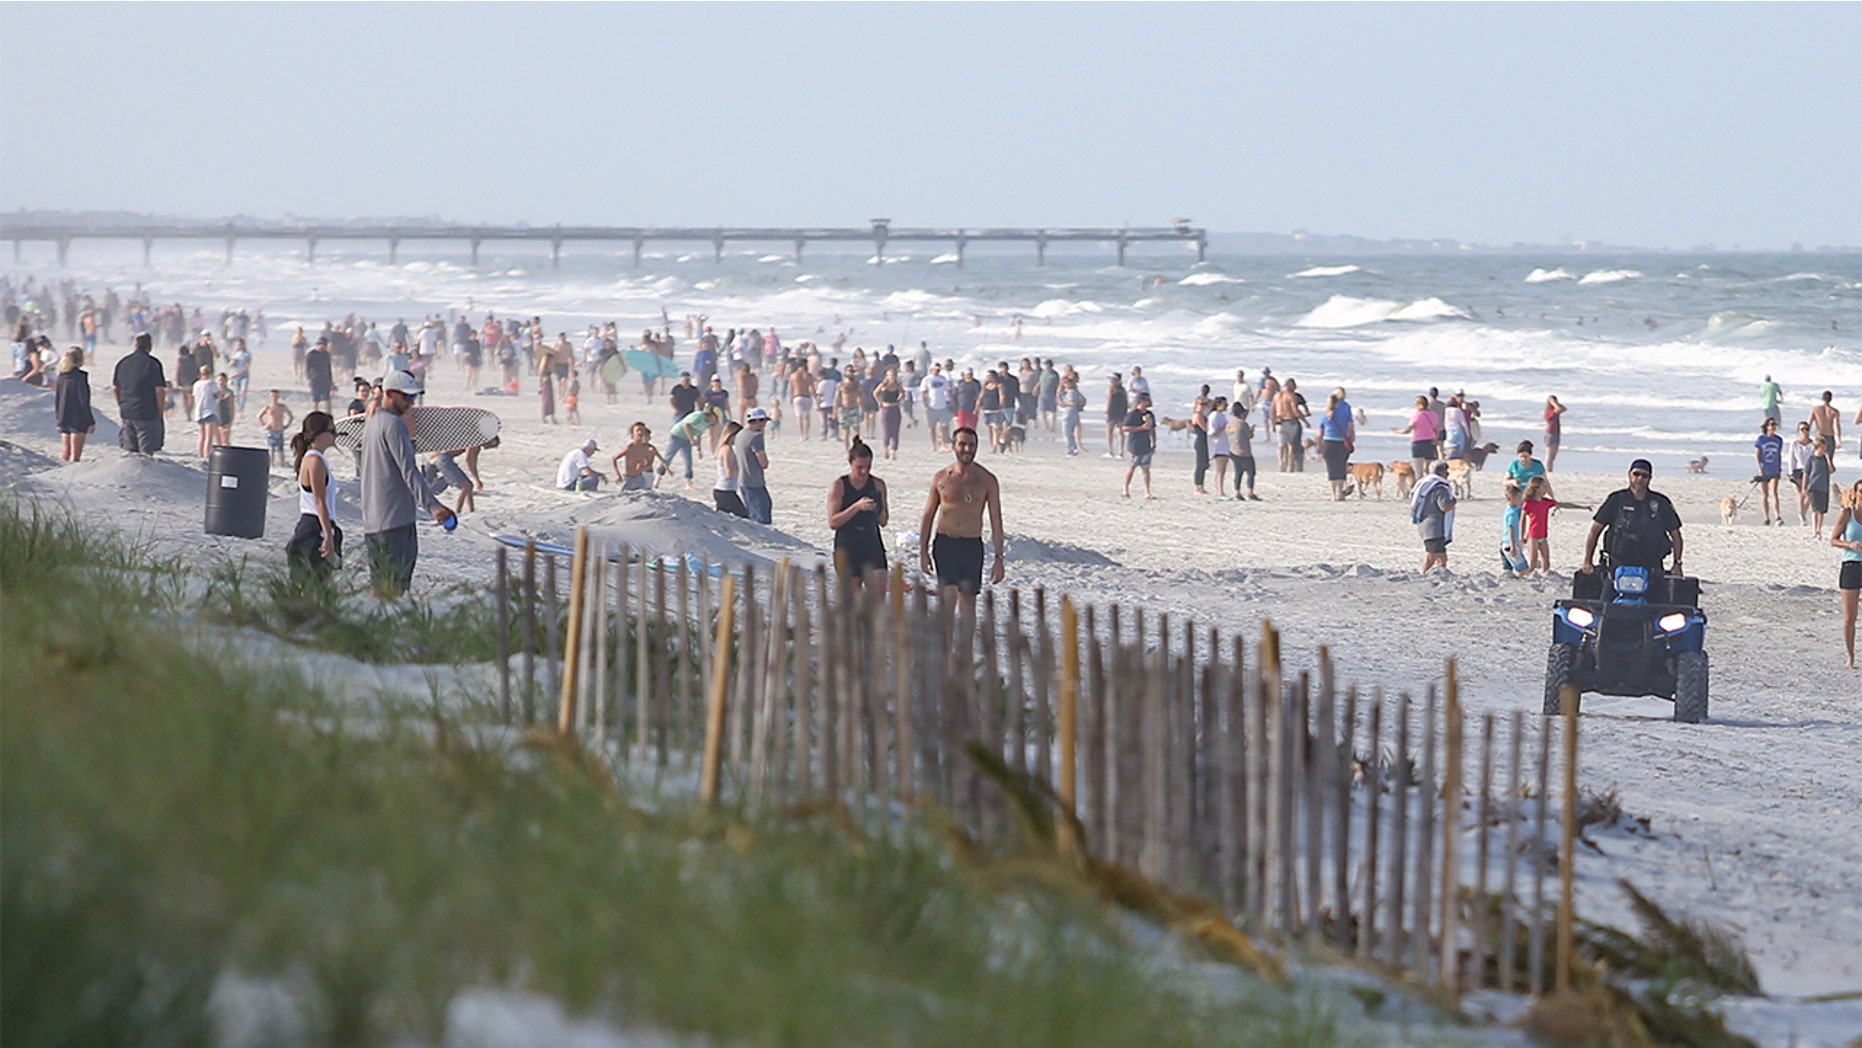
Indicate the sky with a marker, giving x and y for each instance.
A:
(1664, 125)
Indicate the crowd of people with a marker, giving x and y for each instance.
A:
(732, 398)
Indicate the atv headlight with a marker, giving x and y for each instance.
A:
(1631, 582)
(1580, 617)
(1673, 622)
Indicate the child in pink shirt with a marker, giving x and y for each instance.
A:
(1538, 507)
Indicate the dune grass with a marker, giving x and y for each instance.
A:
(168, 820)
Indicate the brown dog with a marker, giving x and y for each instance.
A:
(1368, 475)
(1478, 456)
(1698, 465)
(1729, 510)
(1461, 475)
(1405, 478)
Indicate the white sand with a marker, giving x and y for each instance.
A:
(1757, 815)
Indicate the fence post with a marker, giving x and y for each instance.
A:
(1483, 937)
(1425, 887)
(530, 631)
(1093, 728)
(682, 740)
(572, 632)
(1509, 909)
(501, 592)
(990, 729)
(1451, 837)
(643, 669)
(1015, 725)
(802, 760)
(1231, 824)
(1535, 963)
(714, 701)
(761, 657)
(551, 622)
(1344, 748)
(1254, 701)
(594, 644)
(737, 720)
(905, 747)
(1399, 837)
(1069, 719)
(1321, 770)
(1044, 687)
(704, 649)
(1152, 732)
(662, 677)
(1373, 821)
(1567, 851)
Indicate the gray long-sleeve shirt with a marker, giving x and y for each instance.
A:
(391, 480)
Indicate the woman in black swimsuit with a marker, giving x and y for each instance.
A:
(857, 513)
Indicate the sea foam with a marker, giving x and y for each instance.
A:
(1608, 276)
(1328, 271)
(1546, 276)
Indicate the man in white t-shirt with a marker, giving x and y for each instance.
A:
(934, 391)
(1241, 398)
(575, 473)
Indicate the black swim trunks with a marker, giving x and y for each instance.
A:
(959, 562)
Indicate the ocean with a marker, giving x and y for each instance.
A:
(1654, 354)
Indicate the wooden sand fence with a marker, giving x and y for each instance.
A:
(1352, 824)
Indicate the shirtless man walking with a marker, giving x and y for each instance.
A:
(1827, 422)
(950, 534)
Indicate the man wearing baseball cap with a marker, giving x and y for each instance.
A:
(393, 489)
(752, 460)
(1642, 524)
(577, 473)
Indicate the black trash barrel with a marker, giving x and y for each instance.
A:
(237, 486)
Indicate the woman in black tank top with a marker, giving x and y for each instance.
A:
(857, 513)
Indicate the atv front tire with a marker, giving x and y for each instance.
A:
(1691, 687)
(1559, 662)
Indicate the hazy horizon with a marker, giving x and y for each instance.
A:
(1641, 126)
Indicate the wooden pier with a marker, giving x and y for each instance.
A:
(879, 233)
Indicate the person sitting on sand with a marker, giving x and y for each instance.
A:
(633, 464)
(577, 472)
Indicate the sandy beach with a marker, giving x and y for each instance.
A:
(1754, 819)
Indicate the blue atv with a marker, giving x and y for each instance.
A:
(1630, 633)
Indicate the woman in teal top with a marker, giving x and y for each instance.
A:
(1847, 536)
(1525, 467)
